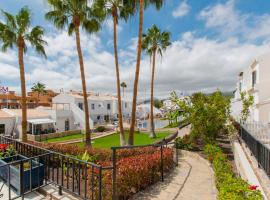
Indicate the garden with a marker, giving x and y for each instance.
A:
(211, 132)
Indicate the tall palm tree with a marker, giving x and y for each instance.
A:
(116, 9)
(141, 4)
(154, 42)
(17, 31)
(123, 85)
(39, 88)
(76, 14)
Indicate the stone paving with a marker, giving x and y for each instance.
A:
(4, 194)
(192, 180)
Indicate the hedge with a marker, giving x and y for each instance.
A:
(136, 168)
(229, 186)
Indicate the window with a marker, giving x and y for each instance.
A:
(80, 105)
(93, 106)
(67, 125)
(108, 106)
(2, 128)
(98, 117)
(254, 78)
(125, 104)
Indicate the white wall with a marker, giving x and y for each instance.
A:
(9, 124)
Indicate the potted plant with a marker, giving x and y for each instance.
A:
(20, 167)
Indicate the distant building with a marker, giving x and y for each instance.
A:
(255, 81)
(44, 99)
(11, 100)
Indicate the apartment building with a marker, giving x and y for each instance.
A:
(103, 108)
(11, 100)
(44, 99)
(255, 81)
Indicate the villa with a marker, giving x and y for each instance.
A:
(255, 81)
(103, 108)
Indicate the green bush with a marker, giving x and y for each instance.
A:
(229, 186)
(100, 129)
(184, 143)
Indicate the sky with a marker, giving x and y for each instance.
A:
(212, 41)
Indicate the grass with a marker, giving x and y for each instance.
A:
(139, 139)
(66, 138)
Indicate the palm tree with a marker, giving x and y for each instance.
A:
(142, 4)
(117, 10)
(123, 85)
(39, 88)
(76, 14)
(17, 31)
(154, 42)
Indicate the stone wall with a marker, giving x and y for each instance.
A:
(52, 135)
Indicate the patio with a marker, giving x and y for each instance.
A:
(41, 126)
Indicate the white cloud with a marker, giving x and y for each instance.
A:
(182, 9)
(228, 21)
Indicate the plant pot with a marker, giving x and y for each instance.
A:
(37, 173)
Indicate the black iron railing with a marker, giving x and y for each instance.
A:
(69, 174)
(259, 150)
(80, 178)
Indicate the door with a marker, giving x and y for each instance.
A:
(2, 129)
(67, 125)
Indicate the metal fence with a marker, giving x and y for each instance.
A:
(69, 174)
(260, 151)
(80, 178)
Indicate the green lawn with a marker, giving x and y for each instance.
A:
(113, 140)
(66, 138)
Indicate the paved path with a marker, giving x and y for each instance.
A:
(192, 180)
(4, 194)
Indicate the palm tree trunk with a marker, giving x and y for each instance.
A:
(137, 74)
(86, 109)
(152, 131)
(23, 91)
(120, 116)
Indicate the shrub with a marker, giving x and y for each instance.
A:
(229, 186)
(136, 168)
(136, 172)
(184, 143)
(100, 129)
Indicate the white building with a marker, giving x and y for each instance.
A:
(42, 120)
(255, 81)
(102, 108)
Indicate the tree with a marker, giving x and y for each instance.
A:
(117, 10)
(208, 114)
(247, 102)
(76, 14)
(154, 42)
(39, 88)
(17, 31)
(141, 4)
(123, 85)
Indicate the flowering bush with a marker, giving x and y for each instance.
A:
(136, 168)
(3, 147)
(229, 186)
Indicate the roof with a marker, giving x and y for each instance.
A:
(31, 113)
(4, 114)
(41, 121)
(95, 97)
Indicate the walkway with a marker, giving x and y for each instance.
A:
(32, 196)
(192, 180)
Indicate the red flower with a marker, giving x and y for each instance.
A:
(3, 147)
(253, 187)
